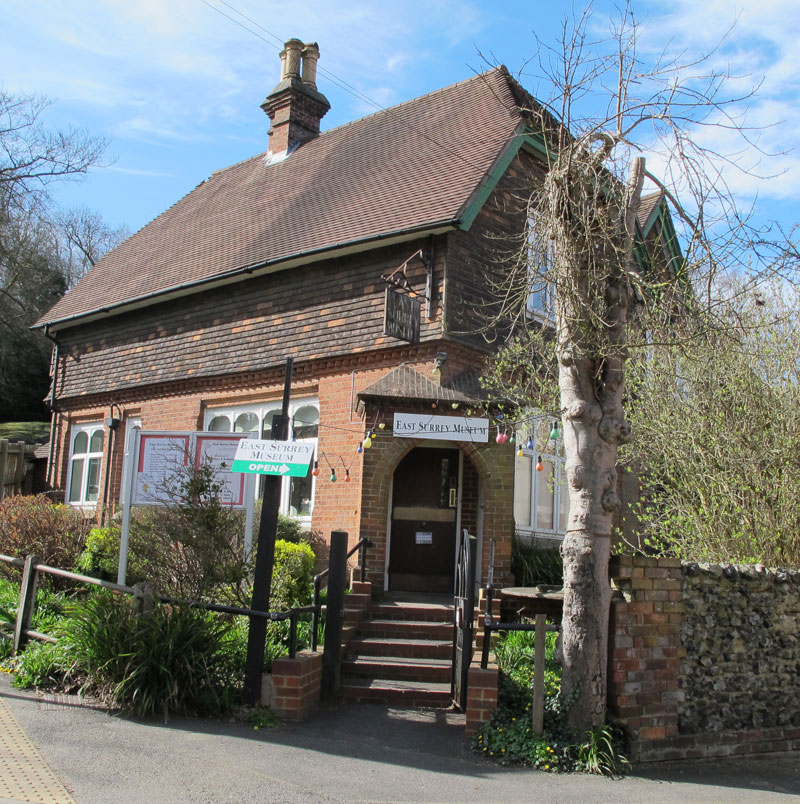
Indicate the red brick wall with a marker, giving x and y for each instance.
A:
(646, 649)
(296, 685)
(492, 463)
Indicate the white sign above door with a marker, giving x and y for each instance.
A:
(445, 428)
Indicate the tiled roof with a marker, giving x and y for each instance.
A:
(647, 205)
(404, 382)
(413, 166)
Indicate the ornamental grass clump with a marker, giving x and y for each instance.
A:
(167, 661)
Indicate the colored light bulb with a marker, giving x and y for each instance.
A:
(554, 432)
(346, 475)
(520, 453)
(382, 426)
(360, 448)
(333, 476)
(367, 442)
(529, 443)
(454, 406)
(539, 464)
(315, 470)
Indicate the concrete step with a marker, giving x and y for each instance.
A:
(405, 629)
(396, 693)
(410, 648)
(425, 671)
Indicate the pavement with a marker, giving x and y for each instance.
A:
(58, 750)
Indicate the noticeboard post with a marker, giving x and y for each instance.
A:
(156, 462)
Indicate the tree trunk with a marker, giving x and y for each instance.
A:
(592, 383)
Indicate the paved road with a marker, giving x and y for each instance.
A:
(350, 755)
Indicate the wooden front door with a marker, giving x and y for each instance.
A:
(424, 512)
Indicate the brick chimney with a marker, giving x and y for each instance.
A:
(295, 107)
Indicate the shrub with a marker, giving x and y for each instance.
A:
(35, 525)
(292, 576)
(171, 660)
(290, 530)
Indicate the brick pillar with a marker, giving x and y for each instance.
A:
(645, 649)
(296, 685)
(481, 695)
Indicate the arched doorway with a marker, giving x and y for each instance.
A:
(425, 516)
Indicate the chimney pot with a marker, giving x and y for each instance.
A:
(310, 57)
(295, 107)
(291, 62)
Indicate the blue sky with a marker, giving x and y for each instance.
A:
(176, 86)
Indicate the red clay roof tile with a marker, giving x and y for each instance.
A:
(412, 166)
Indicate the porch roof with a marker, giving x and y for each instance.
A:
(404, 383)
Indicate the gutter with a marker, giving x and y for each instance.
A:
(302, 257)
(56, 360)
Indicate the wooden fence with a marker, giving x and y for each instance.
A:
(16, 466)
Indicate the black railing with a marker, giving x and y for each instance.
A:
(361, 547)
(25, 608)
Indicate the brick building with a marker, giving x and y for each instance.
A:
(187, 324)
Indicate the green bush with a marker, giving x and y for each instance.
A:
(100, 557)
(171, 660)
(290, 530)
(292, 576)
(36, 526)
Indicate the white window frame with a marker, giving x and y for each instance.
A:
(261, 410)
(553, 453)
(541, 303)
(91, 429)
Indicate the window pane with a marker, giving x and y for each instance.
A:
(96, 444)
(266, 427)
(75, 479)
(306, 422)
(80, 444)
(522, 491)
(220, 424)
(246, 423)
(544, 497)
(93, 480)
(300, 496)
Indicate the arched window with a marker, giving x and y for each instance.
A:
(85, 462)
(297, 493)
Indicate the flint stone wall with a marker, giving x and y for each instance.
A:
(704, 659)
(741, 648)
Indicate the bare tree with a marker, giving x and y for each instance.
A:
(33, 155)
(42, 251)
(83, 237)
(582, 241)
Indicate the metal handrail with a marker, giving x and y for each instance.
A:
(489, 625)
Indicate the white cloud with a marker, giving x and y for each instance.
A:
(761, 52)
